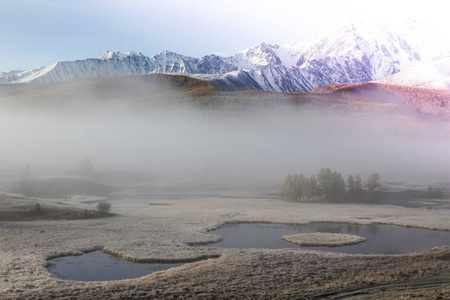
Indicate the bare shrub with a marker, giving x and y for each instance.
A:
(36, 209)
(104, 207)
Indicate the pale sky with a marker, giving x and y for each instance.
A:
(40, 32)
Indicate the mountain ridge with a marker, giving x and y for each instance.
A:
(349, 55)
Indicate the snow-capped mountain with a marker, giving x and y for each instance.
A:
(255, 58)
(232, 81)
(433, 75)
(108, 64)
(7, 76)
(351, 54)
(210, 64)
(16, 75)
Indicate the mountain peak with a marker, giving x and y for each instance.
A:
(118, 55)
(167, 53)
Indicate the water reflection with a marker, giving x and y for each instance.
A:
(380, 239)
(373, 228)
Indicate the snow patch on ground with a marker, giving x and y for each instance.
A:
(320, 239)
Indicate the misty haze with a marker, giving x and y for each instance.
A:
(264, 143)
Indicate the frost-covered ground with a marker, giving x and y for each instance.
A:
(323, 239)
(164, 233)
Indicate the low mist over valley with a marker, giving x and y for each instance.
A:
(171, 125)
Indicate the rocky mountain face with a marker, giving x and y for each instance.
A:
(210, 64)
(348, 55)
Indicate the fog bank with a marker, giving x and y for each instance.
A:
(186, 142)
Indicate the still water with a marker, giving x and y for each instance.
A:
(380, 239)
(100, 266)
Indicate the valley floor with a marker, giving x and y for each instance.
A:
(165, 232)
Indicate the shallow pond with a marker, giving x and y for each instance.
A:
(100, 266)
(380, 239)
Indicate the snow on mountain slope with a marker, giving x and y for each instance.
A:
(166, 57)
(264, 55)
(210, 64)
(11, 76)
(429, 43)
(351, 54)
(10, 73)
(232, 81)
(434, 75)
(256, 57)
(117, 55)
(290, 54)
(109, 64)
(6, 76)
(265, 64)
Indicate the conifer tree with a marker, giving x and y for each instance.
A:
(372, 182)
(358, 182)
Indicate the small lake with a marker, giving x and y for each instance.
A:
(380, 239)
(100, 266)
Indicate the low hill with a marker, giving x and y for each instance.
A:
(139, 89)
(143, 92)
(421, 100)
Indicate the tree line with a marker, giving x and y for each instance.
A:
(329, 186)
